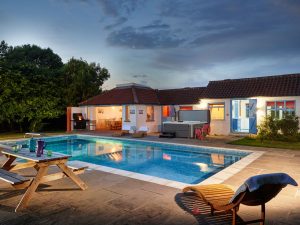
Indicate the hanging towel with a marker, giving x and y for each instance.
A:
(255, 182)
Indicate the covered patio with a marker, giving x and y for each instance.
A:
(132, 105)
(108, 117)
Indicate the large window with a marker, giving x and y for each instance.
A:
(277, 109)
(127, 113)
(150, 113)
(217, 111)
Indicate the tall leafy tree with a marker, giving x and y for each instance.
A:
(4, 48)
(31, 85)
(83, 80)
(35, 84)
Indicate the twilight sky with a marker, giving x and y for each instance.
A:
(163, 43)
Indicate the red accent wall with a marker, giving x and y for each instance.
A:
(166, 111)
(186, 107)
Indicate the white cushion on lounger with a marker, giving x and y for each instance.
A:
(126, 127)
(143, 128)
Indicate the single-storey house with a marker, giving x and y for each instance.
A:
(236, 105)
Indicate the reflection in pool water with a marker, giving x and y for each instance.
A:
(146, 158)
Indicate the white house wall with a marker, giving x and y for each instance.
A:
(153, 126)
(218, 127)
(139, 117)
(132, 117)
(223, 127)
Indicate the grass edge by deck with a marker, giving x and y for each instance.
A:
(247, 141)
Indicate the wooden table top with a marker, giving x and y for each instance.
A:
(24, 153)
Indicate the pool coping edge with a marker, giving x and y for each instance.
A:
(217, 178)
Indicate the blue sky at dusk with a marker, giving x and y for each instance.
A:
(166, 43)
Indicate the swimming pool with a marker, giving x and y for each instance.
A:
(182, 163)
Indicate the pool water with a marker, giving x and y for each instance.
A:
(181, 163)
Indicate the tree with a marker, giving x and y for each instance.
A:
(4, 48)
(31, 85)
(82, 80)
(35, 84)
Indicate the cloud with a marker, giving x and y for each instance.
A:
(157, 24)
(140, 76)
(131, 37)
(219, 38)
(117, 23)
(184, 40)
(292, 6)
(119, 8)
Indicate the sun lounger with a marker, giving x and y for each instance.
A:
(125, 130)
(257, 190)
(142, 132)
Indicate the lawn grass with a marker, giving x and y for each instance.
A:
(267, 143)
(15, 135)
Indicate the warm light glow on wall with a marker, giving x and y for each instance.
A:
(166, 111)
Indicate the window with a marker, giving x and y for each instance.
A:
(186, 107)
(166, 111)
(150, 113)
(217, 111)
(277, 109)
(127, 113)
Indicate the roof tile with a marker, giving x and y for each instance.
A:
(280, 85)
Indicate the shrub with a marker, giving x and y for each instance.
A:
(285, 129)
(268, 129)
(289, 125)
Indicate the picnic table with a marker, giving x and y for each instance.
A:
(41, 165)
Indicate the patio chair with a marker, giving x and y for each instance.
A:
(201, 133)
(142, 132)
(125, 130)
(257, 190)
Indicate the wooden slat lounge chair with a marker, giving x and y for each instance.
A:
(257, 190)
(142, 132)
(125, 130)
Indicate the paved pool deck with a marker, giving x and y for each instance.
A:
(115, 199)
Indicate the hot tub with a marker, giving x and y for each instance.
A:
(184, 129)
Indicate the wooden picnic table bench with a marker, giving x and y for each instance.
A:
(41, 165)
(12, 178)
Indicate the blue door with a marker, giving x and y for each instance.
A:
(252, 116)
